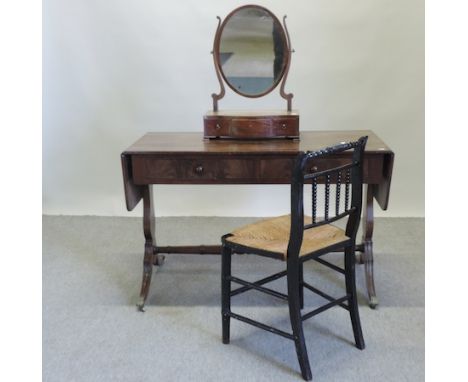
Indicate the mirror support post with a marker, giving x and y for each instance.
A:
(287, 96)
(215, 96)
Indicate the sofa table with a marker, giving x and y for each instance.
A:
(187, 158)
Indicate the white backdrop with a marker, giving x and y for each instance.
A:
(115, 69)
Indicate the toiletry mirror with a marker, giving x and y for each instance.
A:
(252, 55)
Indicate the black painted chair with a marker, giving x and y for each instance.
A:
(297, 238)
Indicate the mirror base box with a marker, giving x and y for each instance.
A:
(251, 125)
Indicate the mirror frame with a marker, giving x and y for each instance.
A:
(219, 71)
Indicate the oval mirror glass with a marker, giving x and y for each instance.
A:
(252, 51)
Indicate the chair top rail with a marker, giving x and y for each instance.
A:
(332, 149)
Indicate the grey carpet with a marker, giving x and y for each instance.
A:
(92, 332)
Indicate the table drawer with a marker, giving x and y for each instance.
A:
(372, 166)
(278, 170)
(195, 170)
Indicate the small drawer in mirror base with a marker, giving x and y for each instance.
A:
(251, 125)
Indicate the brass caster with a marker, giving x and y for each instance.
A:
(141, 305)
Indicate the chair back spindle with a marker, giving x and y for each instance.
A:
(314, 201)
(348, 180)
(338, 191)
(327, 195)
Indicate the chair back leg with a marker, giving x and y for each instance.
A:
(294, 302)
(226, 292)
(350, 275)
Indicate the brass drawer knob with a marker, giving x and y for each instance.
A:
(199, 169)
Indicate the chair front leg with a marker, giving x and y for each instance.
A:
(226, 291)
(296, 319)
(350, 274)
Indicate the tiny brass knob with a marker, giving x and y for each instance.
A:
(283, 126)
(199, 169)
(313, 169)
(218, 126)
